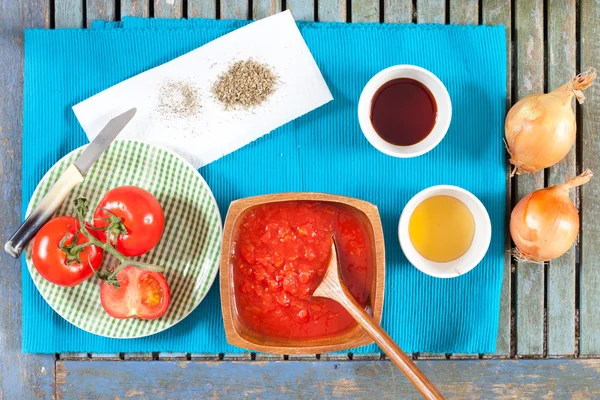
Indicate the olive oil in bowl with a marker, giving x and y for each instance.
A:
(441, 228)
(444, 231)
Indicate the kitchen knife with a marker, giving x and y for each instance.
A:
(70, 178)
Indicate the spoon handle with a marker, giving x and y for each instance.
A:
(390, 348)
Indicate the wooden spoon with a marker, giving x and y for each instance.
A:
(333, 287)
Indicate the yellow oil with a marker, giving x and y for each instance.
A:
(441, 228)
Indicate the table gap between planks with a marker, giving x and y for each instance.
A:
(547, 311)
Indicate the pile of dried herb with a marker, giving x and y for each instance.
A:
(178, 99)
(245, 84)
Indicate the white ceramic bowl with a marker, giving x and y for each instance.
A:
(481, 238)
(437, 88)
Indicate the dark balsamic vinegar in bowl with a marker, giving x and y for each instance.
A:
(403, 112)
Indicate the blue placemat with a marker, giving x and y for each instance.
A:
(323, 151)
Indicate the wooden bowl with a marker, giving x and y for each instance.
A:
(241, 336)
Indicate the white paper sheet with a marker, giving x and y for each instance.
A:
(213, 131)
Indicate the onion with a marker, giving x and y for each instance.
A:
(540, 129)
(545, 223)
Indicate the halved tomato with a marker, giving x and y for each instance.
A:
(142, 294)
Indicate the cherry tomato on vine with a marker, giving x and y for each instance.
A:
(142, 218)
(53, 262)
(141, 294)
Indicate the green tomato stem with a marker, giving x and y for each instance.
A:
(115, 226)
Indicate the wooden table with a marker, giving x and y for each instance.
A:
(549, 337)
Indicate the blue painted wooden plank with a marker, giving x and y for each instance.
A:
(529, 16)
(561, 271)
(302, 10)
(464, 12)
(431, 11)
(498, 12)
(168, 8)
(265, 8)
(467, 379)
(22, 376)
(590, 193)
(68, 13)
(235, 9)
(202, 9)
(100, 10)
(331, 10)
(135, 8)
(398, 11)
(365, 11)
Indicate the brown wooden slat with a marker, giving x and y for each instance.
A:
(332, 10)
(265, 357)
(236, 357)
(202, 9)
(432, 356)
(464, 12)
(302, 357)
(498, 12)
(168, 8)
(105, 356)
(169, 356)
(100, 10)
(561, 271)
(74, 356)
(365, 10)
(135, 8)
(529, 79)
(302, 10)
(265, 8)
(398, 11)
(235, 9)
(68, 13)
(590, 193)
(431, 11)
(137, 356)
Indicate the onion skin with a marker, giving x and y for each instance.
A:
(545, 224)
(540, 128)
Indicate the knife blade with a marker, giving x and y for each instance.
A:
(95, 149)
(70, 178)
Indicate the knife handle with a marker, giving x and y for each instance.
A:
(70, 178)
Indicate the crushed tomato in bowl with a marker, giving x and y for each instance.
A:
(279, 257)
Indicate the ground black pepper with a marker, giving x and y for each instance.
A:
(178, 99)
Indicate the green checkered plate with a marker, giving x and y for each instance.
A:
(189, 248)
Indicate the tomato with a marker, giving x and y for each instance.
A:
(51, 262)
(281, 253)
(142, 217)
(142, 294)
